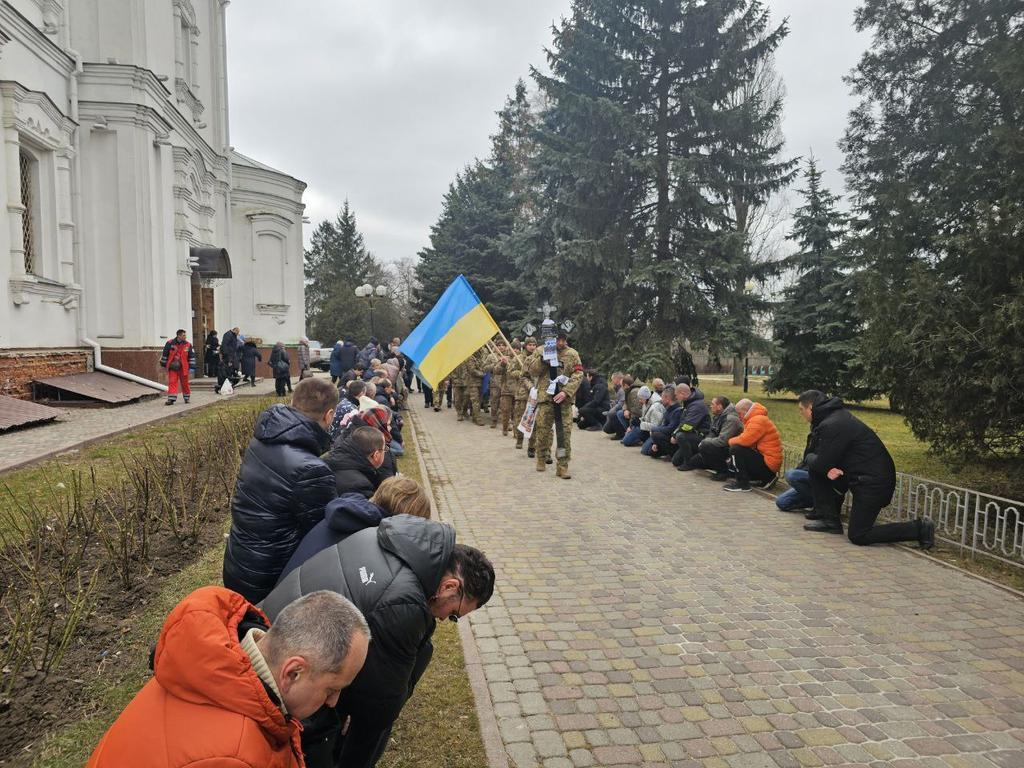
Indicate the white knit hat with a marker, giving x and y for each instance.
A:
(645, 393)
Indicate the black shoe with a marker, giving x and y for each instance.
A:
(684, 468)
(186, 399)
(927, 535)
(824, 526)
(216, 390)
(812, 515)
(170, 401)
(769, 483)
(737, 487)
(531, 454)
(720, 477)
(549, 460)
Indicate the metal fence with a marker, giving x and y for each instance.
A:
(978, 523)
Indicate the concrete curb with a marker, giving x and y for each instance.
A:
(494, 747)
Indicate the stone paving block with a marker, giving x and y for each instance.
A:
(622, 635)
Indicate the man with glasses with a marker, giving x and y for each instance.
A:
(403, 575)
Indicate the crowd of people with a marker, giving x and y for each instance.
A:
(736, 444)
(334, 579)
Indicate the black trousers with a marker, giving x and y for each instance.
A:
(869, 499)
(428, 395)
(281, 383)
(590, 416)
(713, 457)
(225, 372)
(750, 466)
(686, 447)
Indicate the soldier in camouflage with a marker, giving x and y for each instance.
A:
(520, 381)
(459, 377)
(498, 364)
(474, 383)
(570, 366)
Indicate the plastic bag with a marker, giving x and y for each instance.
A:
(226, 388)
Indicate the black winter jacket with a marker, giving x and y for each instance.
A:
(840, 439)
(230, 348)
(353, 472)
(282, 489)
(389, 572)
(695, 416)
(598, 394)
(343, 516)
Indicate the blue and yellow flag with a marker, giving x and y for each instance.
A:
(457, 326)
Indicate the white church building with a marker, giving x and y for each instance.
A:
(127, 212)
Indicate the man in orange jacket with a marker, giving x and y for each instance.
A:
(228, 691)
(757, 450)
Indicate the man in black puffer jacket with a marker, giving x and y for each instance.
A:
(356, 460)
(403, 575)
(844, 454)
(282, 489)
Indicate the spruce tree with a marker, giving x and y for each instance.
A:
(817, 328)
(934, 153)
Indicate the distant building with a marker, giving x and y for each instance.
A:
(128, 214)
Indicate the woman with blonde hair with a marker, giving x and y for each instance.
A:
(351, 512)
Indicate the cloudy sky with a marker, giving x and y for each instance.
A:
(383, 102)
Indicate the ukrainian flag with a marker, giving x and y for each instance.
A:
(457, 326)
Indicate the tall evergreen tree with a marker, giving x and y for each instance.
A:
(477, 218)
(335, 263)
(817, 328)
(934, 157)
(639, 159)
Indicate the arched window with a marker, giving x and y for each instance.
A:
(29, 168)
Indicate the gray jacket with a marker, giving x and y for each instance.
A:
(724, 426)
(653, 416)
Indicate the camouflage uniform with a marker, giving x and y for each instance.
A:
(520, 383)
(501, 392)
(474, 381)
(571, 366)
(458, 377)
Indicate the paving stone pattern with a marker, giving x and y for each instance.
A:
(78, 425)
(644, 617)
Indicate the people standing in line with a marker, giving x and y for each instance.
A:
(281, 367)
(304, 370)
(211, 355)
(283, 486)
(177, 358)
(230, 358)
(250, 354)
(523, 383)
(230, 689)
(845, 455)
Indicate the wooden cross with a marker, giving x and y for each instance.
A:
(547, 309)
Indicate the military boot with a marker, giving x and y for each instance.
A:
(530, 453)
(542, 466)
(562, 471)
(519, 441)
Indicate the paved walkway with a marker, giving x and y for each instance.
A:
(644, 617)
(76, 426)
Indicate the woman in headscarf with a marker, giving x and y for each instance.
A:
(281, 367)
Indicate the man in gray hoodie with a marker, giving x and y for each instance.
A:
(713, 451)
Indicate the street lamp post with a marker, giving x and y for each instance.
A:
(367, 292)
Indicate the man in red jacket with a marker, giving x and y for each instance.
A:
(228, 691)
(178, 357)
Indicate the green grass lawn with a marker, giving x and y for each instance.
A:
(910, 454)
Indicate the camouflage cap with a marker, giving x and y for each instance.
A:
(530, 340)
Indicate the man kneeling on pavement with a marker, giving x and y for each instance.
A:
(757, 450)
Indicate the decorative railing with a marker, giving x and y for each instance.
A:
(978, 523)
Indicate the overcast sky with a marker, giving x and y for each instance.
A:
(383, 102)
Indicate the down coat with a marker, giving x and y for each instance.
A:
(204, 705)
(389, 572)
(724, 426)
(761, 434)
(282, 489)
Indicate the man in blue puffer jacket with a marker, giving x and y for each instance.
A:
(282, 489)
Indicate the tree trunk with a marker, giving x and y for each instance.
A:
(737, 371)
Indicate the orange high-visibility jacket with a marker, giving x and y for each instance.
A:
(762, 435)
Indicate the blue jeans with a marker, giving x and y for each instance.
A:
(634, 437)
(799, 494)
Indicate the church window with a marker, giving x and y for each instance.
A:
(29, 171)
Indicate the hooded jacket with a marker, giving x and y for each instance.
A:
(840, 439)
(204, 705)
(599, 398)
(761, 434)
(389, 572)
(230, 348)
(344, 516)
(282, 489)
(695, 416)
(725, 425)
(353, 472)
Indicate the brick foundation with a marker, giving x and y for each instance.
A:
(142, 361)
(19, 367)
